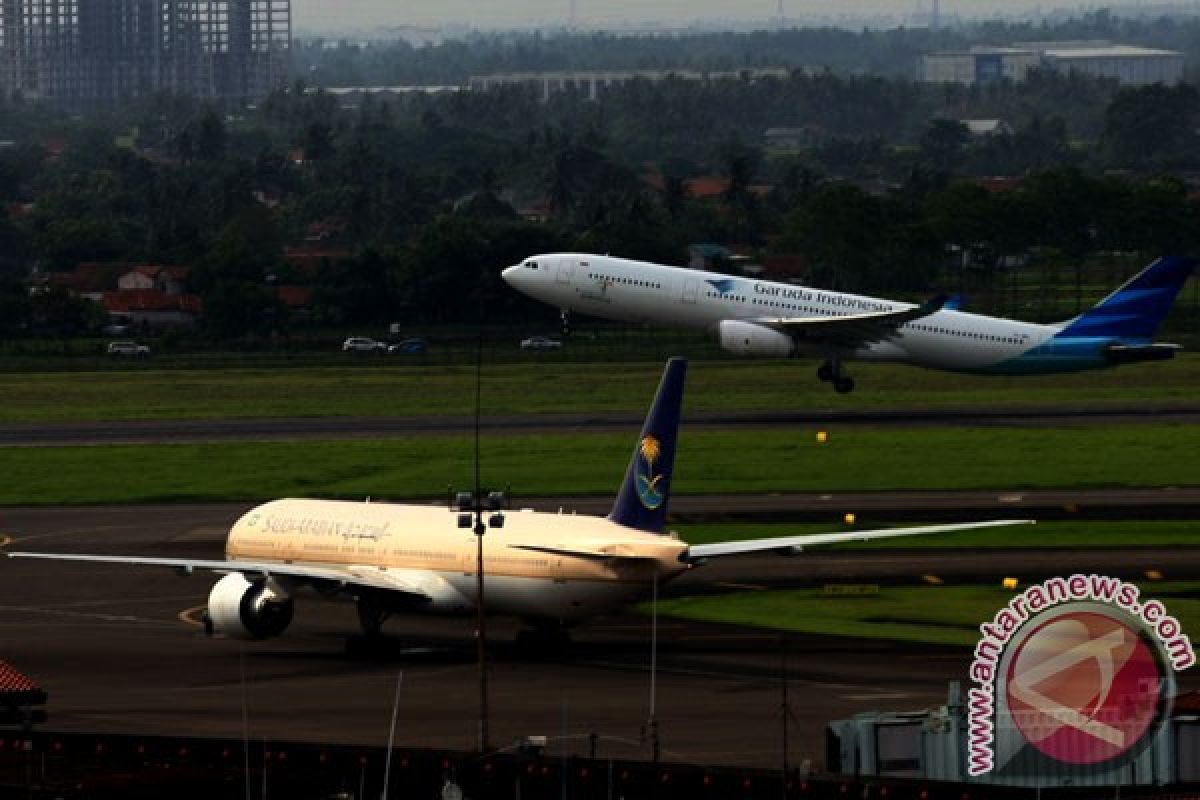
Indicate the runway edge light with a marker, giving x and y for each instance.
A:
(822, 437)
(850, 518)
(1010, 584)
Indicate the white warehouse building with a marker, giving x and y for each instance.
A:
(1131, 66)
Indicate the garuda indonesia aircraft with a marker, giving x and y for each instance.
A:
(764, 318)
(550, 569)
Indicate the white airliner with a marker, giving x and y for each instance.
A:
(763, 318)
(549, 569)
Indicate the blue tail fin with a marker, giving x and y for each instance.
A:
(642, 501)
(1135, 310)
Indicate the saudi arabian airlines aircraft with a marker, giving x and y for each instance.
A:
(550, 569)
(763, 318)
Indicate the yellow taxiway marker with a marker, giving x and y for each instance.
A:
(1154, 575)
(933, 580)
(187, 616)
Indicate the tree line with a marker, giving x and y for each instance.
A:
(428, 196)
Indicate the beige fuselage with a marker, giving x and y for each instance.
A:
(422, 548)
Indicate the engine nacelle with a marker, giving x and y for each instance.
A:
(752, 339)
(244, 609)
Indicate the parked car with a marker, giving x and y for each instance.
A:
(363, 344)
(413, 346)
(132, 349)
(541, 343)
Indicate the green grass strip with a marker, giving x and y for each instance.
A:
(373, 388)
(948, 615)
(862, 459)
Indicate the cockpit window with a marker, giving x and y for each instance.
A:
(531, 264)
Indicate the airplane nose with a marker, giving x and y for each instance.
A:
(509, 274)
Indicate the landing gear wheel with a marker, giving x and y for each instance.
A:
(371, 617)
(843, 385)
(543, 642)
(825, 372)
(565, 318)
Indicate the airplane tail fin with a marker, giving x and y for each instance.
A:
(642, 501)
(1135, 310)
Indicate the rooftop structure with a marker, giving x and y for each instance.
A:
(1132, 66)
(594, 84)
(78, 53)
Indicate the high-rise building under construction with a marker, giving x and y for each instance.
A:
(79, 53)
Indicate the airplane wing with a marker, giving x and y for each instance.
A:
(794, 544)
(349, 575)
(852, 330)
(595, 555)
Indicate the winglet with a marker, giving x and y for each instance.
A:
(642, 501)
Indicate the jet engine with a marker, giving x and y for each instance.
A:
(244, 609)
(752, 339)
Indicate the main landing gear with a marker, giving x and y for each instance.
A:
(831, 372)
(543, 641)
(565, 317)
(371, 616)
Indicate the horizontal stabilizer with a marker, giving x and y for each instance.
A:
(796, 543)
(1132, 353)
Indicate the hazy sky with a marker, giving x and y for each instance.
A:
(309, 15)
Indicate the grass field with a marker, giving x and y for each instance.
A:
(935, 614)
(375, 389)
(856, 459)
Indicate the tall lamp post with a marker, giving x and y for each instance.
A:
(472, 507)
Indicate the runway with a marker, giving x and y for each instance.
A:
(298, 428)
(119, 651)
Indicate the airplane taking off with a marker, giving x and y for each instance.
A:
(763, 318)
(549, 569)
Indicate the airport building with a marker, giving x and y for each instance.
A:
(593, 85)
(978, 65)
(87, 53)
(933, 746)
(1131, 66)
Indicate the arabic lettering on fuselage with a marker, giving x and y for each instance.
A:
(315, 526)
(821, 298)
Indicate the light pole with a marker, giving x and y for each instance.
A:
(481, 630)
(652, 724)
(471, 507)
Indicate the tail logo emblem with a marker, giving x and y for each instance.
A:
(648, 484)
